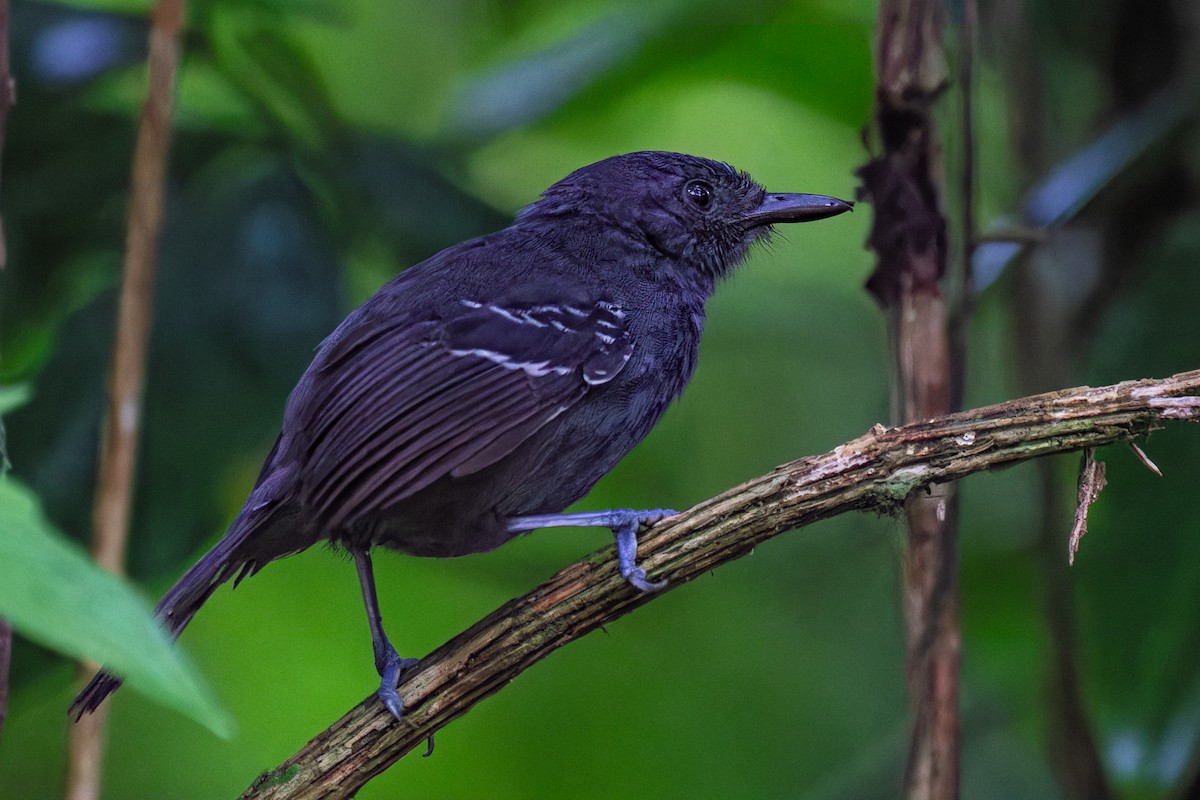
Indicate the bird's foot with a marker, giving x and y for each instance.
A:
(625, 529)
(623, 522)
(391, 667)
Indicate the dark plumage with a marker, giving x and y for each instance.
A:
(484, 390)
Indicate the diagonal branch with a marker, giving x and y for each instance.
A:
(874, 472)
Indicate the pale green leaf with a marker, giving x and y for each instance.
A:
(54, 595)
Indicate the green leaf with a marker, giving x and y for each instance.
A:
(14, 396)
(525, 90)
(11, 397)
(54, 595)
(277, 74)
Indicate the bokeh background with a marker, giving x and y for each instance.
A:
(323, 146)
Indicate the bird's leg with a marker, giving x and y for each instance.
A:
(388, 662)
(624, 524)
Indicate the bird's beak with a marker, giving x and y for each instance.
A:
(795, 208)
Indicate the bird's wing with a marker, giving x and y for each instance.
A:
(389, 409)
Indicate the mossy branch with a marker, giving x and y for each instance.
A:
(874, 472)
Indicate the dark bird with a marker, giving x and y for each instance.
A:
(484, 390)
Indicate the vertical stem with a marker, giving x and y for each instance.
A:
(1071, 746)
(960, 319)
(114, 491)
(8, 89)
(5, 656)
(905, 186)
(930, 564)
(6, 99)
(1074, 757)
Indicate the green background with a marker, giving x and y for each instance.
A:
(321, 147)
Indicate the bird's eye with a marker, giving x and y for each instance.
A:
(699, 193)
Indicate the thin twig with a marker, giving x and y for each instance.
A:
(875, 472)
(960, 318)
(6, 101)
(114, 490)
(7, 98)
(1043, 355)
(1145, 459)
(1012, 235)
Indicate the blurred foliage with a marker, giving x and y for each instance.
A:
(321, 147)
(53, 593)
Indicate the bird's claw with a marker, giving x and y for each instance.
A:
(636, 577)
(626, 535)
(389, 677)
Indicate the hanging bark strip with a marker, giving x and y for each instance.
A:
(1091, 482)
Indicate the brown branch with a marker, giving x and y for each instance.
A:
(114, 489)
(875, 472)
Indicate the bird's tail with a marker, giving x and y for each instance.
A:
(232, 557)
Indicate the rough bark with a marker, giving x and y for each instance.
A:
(875, 472)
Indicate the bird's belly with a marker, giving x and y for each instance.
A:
(446, 519)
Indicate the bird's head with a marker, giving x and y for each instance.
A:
(691, 210)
